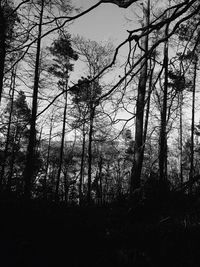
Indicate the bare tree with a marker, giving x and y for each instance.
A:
(140, 107)
(29, 168)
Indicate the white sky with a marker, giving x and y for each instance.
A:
(106, 22)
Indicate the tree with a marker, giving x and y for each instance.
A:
(48, 158)
(8, 18)
(191, 175)
(12, 88)
(63, 52)
(163, 133)
(31, 151)
(87, 93)
(96, 57)
(189, 57)
(16, 139)
(139, 127)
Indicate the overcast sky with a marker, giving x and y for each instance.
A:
(106, 22)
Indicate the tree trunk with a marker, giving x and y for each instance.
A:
(81, 182)
(92, 113)
(150, 89)
(9, 181)
(139, 142)
(2, 49)
(191, 174)
(66, 187)
(29, 168)
(61, 149)
(12, 89)
(100, 179)
(11, 165)
(163, 134)
(180, 138)
(47, 163)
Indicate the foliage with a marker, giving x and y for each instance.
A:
(86, 92)
(18, 136)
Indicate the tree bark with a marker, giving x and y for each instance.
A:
(9, 182)
(47, 163)
(92, 114)
(148, 101)
(139, 142)
(12, 88)
(29, 168)
(191, 174)
(66, 187)
(180, 138)
(81, 182)
(61, 149)
(163, 127)
(100, 179)
(2, 49)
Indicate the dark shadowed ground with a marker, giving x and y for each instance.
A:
(56, 235)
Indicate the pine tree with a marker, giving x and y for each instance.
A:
(63, 53)
(8, 18)
(16, 140)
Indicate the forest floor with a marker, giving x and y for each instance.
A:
(115, 236)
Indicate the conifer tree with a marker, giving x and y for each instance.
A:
(63, 53)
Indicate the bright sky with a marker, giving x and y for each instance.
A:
(106, 22)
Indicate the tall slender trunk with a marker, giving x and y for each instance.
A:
(12, 89)
(29, 168)
(119, 180)
(47, 160)
(81, 182)
(9, 181)
(11, 169)
(39, 140)
(66, 187)
(2, 49)
(180, 137)
(61, 149)
(148, 102)
(92, 113)
(163, 127)
(191, 174)
(139, 142)
(100, 179)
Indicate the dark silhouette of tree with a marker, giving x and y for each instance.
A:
(140, 105)
(87, 93)
(63, 53)
(163, 127)
(12, 89)
(17, 134)
(189, 34)
(47, 159)
(96, 56)
(29, 168)
(8, 18)
(191, 174)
